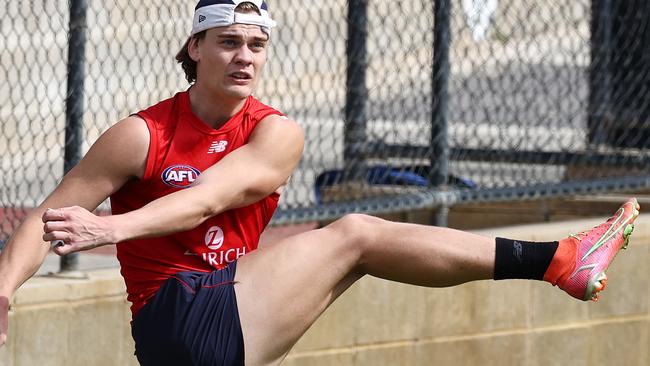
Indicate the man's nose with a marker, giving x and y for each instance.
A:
(244, 55)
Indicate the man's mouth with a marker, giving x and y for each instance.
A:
(241, 75)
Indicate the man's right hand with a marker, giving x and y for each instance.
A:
(77, 228)
(4, 319)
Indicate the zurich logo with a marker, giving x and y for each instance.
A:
(180, 176)
(214, 238)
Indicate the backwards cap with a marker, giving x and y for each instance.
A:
(221, 13)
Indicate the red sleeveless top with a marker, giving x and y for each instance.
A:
(181, 147)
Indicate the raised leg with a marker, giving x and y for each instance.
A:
(283, 288)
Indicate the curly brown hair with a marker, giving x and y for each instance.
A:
(183, 56)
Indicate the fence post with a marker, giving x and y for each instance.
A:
(619, 80)
(74, 108)
(354, 134)
(439, 172)
(600, 83)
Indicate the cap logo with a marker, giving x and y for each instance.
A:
(221, 13)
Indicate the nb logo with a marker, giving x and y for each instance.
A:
(218, 146)
(518, 251)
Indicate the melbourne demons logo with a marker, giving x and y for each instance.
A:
(180, 176)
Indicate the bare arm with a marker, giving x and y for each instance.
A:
(242, 177)
(117, 156)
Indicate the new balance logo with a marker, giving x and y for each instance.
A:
(218, 146)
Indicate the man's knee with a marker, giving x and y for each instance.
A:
(358, 229)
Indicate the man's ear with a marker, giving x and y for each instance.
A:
(193, 49)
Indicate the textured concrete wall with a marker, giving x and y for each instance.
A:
(86, 322)
(70, 322)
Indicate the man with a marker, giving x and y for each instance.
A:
(193, 181)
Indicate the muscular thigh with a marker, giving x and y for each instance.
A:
(283, 287)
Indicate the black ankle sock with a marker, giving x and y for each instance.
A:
(522, 259)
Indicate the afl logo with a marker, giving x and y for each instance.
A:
(180, 176)
(214, 238)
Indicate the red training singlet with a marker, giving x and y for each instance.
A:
(181, 147)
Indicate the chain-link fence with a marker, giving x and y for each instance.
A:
(405, 104)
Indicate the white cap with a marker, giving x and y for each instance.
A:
(221, 13)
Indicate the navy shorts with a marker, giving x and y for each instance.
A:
(192, 320)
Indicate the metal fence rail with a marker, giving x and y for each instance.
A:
(405, 105)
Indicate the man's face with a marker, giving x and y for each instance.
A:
(230, 59)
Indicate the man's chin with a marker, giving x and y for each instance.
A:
(239, 92)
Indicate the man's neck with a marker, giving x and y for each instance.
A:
(213, 110)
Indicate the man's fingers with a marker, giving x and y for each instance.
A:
(53, 215)
(52, 236)
(56, 230)
(57, 243)
(74, 227)
(51, 226)
(60, 248)
(4, 319)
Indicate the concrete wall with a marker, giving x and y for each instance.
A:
(86, 322)
(70, 322)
